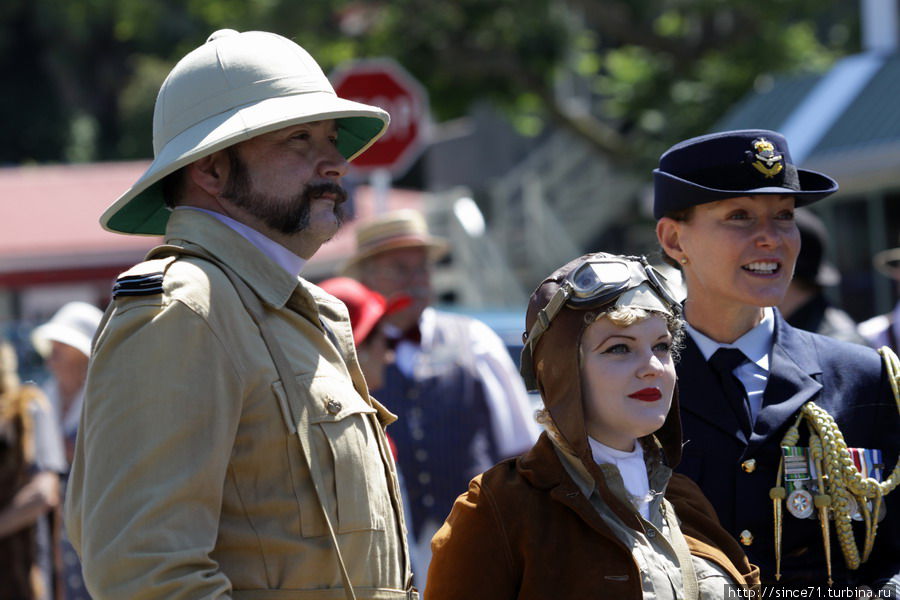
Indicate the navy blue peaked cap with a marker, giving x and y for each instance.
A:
(732, 163)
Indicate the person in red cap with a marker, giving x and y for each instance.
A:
(367, 308)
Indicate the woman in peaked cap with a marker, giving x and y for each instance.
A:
(590, 510)
(725, 207)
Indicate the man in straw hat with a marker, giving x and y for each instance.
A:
(462, 404)
(228, 444)
(884, 330)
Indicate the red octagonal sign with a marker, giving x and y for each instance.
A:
(384, 83)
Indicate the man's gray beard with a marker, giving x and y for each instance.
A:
(285, 216)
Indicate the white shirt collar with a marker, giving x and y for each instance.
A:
(756, 344)
(280, 255)
(632, 469)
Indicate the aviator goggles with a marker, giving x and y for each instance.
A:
(598, 281)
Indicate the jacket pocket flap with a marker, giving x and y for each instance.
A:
(327, 399)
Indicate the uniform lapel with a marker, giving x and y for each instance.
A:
(792, 367)
(701, 395)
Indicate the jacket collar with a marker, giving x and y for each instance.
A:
(793, 365)
(792, 379)
(569, 482)
(270, 282)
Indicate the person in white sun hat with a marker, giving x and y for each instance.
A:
(65, 344)
(228, 445)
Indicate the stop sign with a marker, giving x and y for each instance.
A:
(384, 83)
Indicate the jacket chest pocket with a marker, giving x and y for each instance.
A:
(346, 453)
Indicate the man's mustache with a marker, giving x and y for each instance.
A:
(314, 190)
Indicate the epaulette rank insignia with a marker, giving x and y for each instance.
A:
(146, 284)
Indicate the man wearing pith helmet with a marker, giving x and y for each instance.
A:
(228, 445)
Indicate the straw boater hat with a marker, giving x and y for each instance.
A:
(366, 307)
(398, 229)
(234, 87)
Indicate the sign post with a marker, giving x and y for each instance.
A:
(384, 83)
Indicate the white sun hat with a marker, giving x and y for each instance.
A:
(74, 324)
(234, 87)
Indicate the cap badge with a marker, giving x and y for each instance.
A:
(766, 159)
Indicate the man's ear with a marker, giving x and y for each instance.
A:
(210, 173)
(668, 232)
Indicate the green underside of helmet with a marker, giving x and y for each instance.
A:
(147, 214)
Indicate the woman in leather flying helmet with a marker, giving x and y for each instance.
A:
(590, 511)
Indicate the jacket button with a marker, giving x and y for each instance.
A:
(749, 465)
(746, 537)
(333, 406)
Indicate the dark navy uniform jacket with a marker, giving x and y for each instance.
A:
(847, 380)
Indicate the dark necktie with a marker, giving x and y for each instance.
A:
(723, 363)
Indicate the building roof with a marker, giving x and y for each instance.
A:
(859, 144)
(50, 217)
(769, 108)
(50, 229)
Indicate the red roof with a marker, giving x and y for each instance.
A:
(50, 217)
(49, 225)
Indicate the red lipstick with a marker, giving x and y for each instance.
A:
(647, 395)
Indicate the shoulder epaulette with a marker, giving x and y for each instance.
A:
(145, 279)
(138, 285)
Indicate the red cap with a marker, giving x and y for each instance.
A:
(366, 307)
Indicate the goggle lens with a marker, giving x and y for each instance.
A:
(594, 278)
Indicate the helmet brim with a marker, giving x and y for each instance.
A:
(141, 210)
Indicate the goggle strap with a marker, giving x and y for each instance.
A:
(544, 317)
(549, 312)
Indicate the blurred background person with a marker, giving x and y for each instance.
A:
(461, 402)
(805, 304)
(31, 459)
(883, 330)
(65, 344)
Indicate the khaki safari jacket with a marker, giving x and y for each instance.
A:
(188, 481)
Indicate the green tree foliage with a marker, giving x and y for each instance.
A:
(631, 76)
